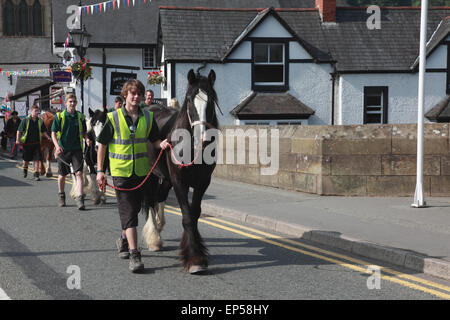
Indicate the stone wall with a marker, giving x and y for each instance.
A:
(357, 160)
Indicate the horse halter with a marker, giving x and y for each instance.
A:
(199, 122)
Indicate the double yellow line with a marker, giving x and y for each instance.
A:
(329, 256)
(413, 282)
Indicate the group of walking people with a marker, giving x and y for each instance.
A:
(128, 130)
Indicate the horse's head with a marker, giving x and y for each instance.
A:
(200, 104)
(95, 122)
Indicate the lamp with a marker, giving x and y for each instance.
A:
(81, 39)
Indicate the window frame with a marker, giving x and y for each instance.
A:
(271, 86)
(144, 66)
(371, 90)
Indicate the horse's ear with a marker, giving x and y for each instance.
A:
(212, 77)
(91, 113)
(191, 76)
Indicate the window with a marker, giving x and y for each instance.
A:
(375, 104)
(9, 18)
(37, 19)
(148, 58)
(268, 64)
(22, 20)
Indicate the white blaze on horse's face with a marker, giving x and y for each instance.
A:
(97, 128)
(200, 102)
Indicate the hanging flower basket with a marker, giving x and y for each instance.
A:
(81, 70)
(156, 77)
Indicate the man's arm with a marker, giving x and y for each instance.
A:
(58, 149)
(101, 177)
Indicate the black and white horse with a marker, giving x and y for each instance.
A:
(93, 125)
(196, 115)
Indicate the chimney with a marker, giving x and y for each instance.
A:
(327, 10)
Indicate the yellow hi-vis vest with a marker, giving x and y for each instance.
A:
(24, 136)
(62, 118)
(127, 152)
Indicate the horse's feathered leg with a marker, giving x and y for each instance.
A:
(150, 232)
(194, 255)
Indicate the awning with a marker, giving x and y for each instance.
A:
(273, 106)
(28, 85)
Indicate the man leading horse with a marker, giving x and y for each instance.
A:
(126, 133)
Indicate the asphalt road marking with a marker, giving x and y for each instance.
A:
(289, 242)
(411, 285)
(3, 295)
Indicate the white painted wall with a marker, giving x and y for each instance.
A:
(270, 28)
(296, 51)
(233, 84)
(438, 59)
(402, 100)
(244, 51)
(311, 84)
(120, 56)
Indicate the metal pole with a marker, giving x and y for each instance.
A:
(419, 201)
(82, 94)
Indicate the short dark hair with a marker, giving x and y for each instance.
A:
(34, 107)
(14, 113)
(118, 98)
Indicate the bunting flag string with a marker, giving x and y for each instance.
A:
(21, 73)
(102, 7)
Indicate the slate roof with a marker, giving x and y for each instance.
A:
(208, 35)
(29, 50)
(440, 112)
(438, 35)
(271, 106)
(139, 26)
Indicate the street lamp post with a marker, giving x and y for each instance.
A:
(81, 39)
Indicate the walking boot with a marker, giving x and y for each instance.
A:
(135, 261)
(61, 199)
(36, 176)
(80, 202)
(25, 172)
(122, 248)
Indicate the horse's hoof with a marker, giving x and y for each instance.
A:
(155, 248)
(196, 269)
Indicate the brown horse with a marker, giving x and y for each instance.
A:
(47, 145)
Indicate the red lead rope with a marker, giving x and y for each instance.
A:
(180, 165)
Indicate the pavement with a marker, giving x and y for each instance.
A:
(386, 229)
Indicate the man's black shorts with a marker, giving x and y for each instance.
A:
(129, 203)
(74, 157)
(32, 152)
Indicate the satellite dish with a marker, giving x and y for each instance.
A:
(67, 55)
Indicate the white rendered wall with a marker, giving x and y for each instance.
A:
(244, 51)
(311, 83)
(438, 59)
(233, 84)
(402, 92)
(93, 95)
(270, 28)
(296, 51)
